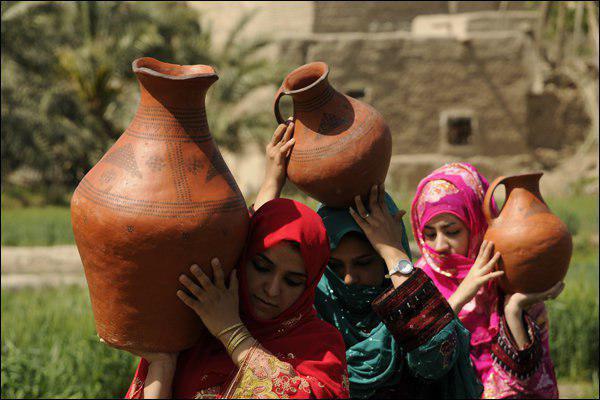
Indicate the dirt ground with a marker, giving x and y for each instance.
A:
(40, 266)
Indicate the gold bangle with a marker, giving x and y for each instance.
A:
(235, 334)
(239, 341)
(236, 340)
(228, 329)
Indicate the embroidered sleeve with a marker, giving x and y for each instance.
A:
(414, 312)
(523, 373)
(519, 363)
(263, 375)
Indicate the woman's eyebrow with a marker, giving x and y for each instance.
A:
(265, 258)
(448, 224)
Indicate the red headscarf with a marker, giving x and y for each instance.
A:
(313, 347)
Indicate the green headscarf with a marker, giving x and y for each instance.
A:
(374, 359)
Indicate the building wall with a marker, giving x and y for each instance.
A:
(414, 82)
(387, 16)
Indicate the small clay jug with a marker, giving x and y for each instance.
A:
(160, 200)
(343, 146)
(535, 245)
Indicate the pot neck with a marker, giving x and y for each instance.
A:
(173, 86)
(529, 183)
(308, 83)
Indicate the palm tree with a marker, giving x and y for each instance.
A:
(68, 90)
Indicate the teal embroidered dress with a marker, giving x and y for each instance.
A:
(400, 343)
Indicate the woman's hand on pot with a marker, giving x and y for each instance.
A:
(383, 230)
(216, 305)
(480, 273)
(151, 357)
(277, 154)
(517, 302)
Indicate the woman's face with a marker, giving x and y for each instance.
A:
(356, 262)
(447, 234)
(276, 279)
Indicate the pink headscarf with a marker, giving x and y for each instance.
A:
(458, 189)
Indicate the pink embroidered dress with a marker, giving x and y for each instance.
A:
(504, 370)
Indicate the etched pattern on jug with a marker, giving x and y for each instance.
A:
(173, 125)
(175, 158)
(325, 151)
(124, 157)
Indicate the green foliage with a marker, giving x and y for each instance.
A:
(68, 90)
(44, 226)
(574, 323)
(50, 348)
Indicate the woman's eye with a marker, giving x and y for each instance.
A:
(363, 263)
(430, 236)
(453, 233)
(293, 283)
(259, 267)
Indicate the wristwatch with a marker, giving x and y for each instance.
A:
(404, 267)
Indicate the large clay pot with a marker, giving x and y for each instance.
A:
(161, 199)
(535, 245)
(343, 146)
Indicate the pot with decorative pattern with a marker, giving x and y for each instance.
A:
(343, 146)
(160, 200)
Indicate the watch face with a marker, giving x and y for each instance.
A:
(405, 267)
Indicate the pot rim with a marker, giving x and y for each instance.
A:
(139, 67)
(315, 83)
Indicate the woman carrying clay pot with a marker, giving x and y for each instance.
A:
(402, 338)
(509, 333)
(258, 339)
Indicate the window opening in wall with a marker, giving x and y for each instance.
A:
(460, 130)
(356, 93)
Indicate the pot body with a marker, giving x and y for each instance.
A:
(535, 245)
(343, 146)
(160, 200)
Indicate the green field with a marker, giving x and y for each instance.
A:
(43, 226)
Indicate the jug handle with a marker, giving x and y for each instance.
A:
(489, 195)
(278, 97)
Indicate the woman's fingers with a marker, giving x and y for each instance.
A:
(218, 273)
(286, 147)
(288, 133)
(374, 198)
(490, 264)
(233, 282)
(204, 281)
(359, 220)
(491, 275)
(481, 250)
(191, 286)
(554, 291)
(278, 133)
(381, 199)
(189, 301)
(360, 208)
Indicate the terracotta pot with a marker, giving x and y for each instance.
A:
(161, 199)
(535, 245)
(343, 146)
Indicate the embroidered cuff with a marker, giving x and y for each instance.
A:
(415, 311)
(519, 363)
